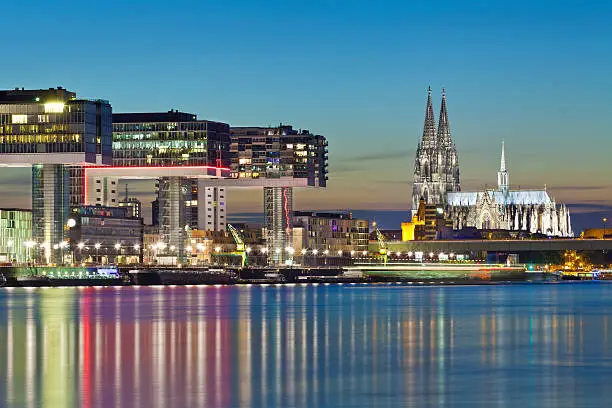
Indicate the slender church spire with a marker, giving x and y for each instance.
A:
(429, 128)
(502, 174)
(444, 134)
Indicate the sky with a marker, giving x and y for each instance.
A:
(535, 74)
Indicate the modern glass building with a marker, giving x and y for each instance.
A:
(146, 144)
(279, 152)
(15, 235)
(55, 133)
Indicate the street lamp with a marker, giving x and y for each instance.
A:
(29, 245)
(118, 250)
(605, 220)
(9, 244)
(97, 246)
(63, 245)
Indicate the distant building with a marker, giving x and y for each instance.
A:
(132, 203)
(427, 224)
(597, 233)
(15, 235)
(329, 230)
(105, 235)
(155, 212)
(532, 211)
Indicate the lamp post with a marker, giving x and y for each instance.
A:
(29, 245)
(605, 220)
(97, 246)
(9, 245)
(63, 245)
(80, 245)
(118, 249)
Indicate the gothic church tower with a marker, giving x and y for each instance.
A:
(436, 167)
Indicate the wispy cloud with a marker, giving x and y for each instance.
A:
(374, 156)
(578, 188)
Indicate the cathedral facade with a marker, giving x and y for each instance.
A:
(531, 211)
(436, 167)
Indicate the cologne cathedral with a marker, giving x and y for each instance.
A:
(531, 211)
(436, 183)
(436, 168)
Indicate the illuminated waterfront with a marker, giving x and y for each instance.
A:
(304, 346)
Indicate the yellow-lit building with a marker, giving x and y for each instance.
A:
(596, 233)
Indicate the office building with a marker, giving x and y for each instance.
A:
(15, 235)
(55, 133)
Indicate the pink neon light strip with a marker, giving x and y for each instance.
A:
(154, 167)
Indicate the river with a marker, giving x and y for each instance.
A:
(528, 345)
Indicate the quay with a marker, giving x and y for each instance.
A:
(29, 276)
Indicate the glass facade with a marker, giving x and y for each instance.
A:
(54, 121)
(172, 139)
(278, 152)
(55, 133)
(15, 235)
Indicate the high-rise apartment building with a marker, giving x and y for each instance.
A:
(278, 158)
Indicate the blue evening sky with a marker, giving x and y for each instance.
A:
(533, 73)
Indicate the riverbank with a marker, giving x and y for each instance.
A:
(148, 275)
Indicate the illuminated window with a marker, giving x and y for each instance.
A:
(20, 118)
(54, 107)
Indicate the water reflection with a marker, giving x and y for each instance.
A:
(285, 346)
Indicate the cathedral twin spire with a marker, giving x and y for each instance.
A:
(436, 167)
(442, 137)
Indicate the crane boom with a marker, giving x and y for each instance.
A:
(240, 247)
(382, 243)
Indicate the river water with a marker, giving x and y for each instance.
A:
(545, 345)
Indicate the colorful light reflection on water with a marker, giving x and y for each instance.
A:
(306, 346)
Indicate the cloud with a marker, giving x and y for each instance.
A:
(602, 206)
(398, 154)
(577, 188)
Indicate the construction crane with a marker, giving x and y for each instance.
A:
(240, 247)
(382, 244)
